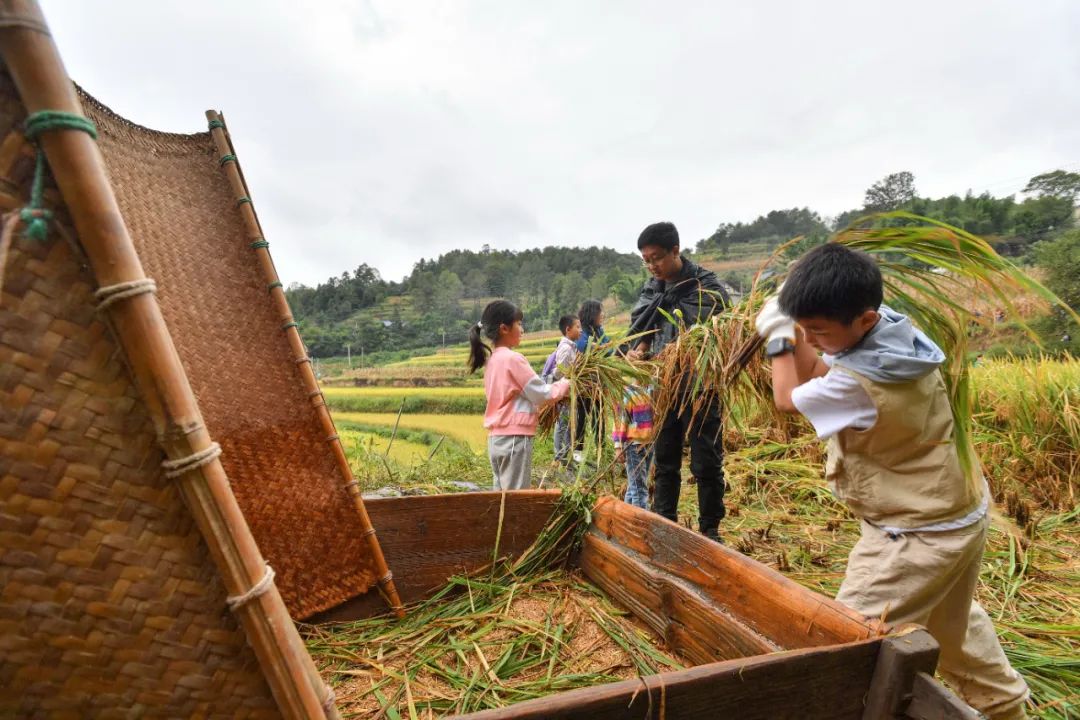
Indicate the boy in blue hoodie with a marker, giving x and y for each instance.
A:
(877, 395)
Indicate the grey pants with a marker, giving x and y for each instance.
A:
(511, 461)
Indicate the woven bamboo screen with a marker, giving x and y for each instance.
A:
(109, 602)
(188, 231)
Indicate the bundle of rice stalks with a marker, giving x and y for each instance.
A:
(521, 630)
(714, 363)
(927, 267)
(598, 379)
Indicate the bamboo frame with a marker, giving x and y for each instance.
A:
(35, 65)
(223, 142)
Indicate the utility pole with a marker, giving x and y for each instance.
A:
(361, 355)
(348, 351)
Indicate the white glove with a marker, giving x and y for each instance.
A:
(772, 323)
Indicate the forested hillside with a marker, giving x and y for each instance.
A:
(440, 299)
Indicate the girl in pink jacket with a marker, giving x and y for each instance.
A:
(514, 393)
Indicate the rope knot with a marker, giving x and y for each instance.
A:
(34, 215)
(36, 221)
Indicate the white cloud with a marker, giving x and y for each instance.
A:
(381, 132)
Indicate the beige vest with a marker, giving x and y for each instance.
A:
(904, 471)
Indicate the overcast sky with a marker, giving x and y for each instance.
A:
(383, 132)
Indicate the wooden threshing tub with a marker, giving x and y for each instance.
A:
(173, 495)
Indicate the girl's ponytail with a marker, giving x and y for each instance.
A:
(478, 349)
(496, 314)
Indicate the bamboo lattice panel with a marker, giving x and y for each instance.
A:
(110, 605)
(189, 234)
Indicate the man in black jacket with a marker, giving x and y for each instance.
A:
(678, 284)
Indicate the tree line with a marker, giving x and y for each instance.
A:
(441, 298)
(1011, 226)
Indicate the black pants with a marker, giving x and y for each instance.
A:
(585, 419)
(706, 465)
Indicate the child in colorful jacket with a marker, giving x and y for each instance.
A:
(632, 433)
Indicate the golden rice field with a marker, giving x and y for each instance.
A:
(402, 451)
(399, 392)
(468, 429)
(532, 354)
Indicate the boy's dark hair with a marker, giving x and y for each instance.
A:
(566, 322)
(588, 312)
(832, 282)
(495, 315)
(661, 234)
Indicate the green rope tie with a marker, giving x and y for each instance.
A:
(290, 324)
(260, 243)
(226, 159)
(34, 216)
(215, 124)
(243, 200)
(48, 120)
(275, 284)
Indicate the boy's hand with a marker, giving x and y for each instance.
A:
(772, 323)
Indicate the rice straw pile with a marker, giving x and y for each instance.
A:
(519, 631)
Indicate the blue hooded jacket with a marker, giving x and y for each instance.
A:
(894, 351)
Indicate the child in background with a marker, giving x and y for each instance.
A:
(633, 431)
(878, 396)
(563, 358)
(591, 314)
(514, 391)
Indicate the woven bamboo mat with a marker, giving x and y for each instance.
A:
(110, 605)
(189, 235)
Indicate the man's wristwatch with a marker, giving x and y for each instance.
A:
(779, 346)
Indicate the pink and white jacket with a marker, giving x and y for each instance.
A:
(515, 392)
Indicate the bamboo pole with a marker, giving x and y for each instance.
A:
(76, 163)
(219, 132)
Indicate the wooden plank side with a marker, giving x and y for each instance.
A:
(932, 701)
(902, 657)
(428, 538)
(689, 623)
(778, 608)
(825, 683)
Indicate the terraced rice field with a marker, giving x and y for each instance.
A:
(466, 429)
(535, 348)
(449, 400)
(400, 392)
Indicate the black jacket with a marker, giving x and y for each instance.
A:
(697, 293)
